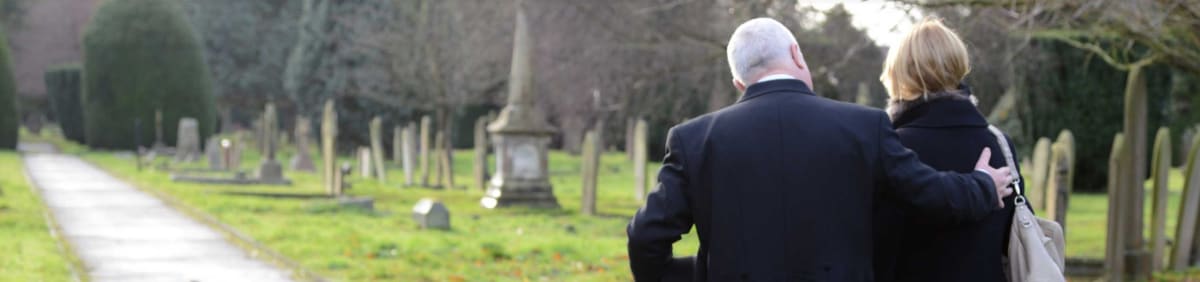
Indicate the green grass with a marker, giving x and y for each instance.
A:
(29, 252)
(484, 245)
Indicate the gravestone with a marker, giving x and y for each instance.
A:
(1036, 188)
(363, 203)
(439, 166)
(187, 144)
(630, 126)
(364, 162)
(1184, 249)
(270, 170)
(158, 131)
(212, 152)
(480, 160)
(1160, 172)
(521, 135)
(1061, 178)
(302, 161)
(423, 153)
(376, 128)
(329, 131)
(397, 151)
(1185, 145)
(591, 169)
(1114, 257)
(431, 214)
(409, 147)
(639, 159)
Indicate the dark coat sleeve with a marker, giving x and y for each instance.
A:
(960, 197)
(660, 223)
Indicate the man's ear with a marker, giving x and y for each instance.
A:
(797, 57)
(741, 87)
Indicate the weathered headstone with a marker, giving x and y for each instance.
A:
(397, 151)
(302, 161)
(1036, 188)
(630, 126)
(329, 131)
(376, 128)
(409, 147)
(364, 162)
(1185, 145)
(212, 152)
(591, 170)
(233, 150)
(1061, 175)
(270, 170)
(436, 156)
(187, 144)
(431, 214)
(521, 135)
(480, 164)
(1161, 162)
(640, 151)
(1137, 256)
(1184, 249)
(423, 154)
(1114, 257)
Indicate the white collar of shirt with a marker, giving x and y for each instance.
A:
(775, 77)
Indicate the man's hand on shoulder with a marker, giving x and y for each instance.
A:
(1002, 177)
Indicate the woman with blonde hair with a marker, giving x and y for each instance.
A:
(935, 115)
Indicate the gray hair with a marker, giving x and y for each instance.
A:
(756, 45)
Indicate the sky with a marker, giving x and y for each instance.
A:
(884, 21)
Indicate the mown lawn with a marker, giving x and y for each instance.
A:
(27, 251)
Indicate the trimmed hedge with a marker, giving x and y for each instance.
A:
(63, 87)
(141, 56)
(8, 101)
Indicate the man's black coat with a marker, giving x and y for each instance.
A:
(780, 187)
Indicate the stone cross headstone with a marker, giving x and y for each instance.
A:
(1160, 172)
(329, 131)
(521, 134)
(480, 160)
(591, 170)
(409, 148)
(1114, 257)
(376, 128)
(187, 144)
(302, 161)
(212, 151)
(270, 170)
(640, 151)
(423, 153)
(1036, 188)
(1185, 248)
(364, 162)
(431, 214)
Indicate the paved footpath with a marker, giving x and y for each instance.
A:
(123, 234)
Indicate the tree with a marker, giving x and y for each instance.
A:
(141, 57)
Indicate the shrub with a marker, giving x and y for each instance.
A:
(8, 103)
(63, 88)
(141, 56)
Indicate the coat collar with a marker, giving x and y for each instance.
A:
(939, 110)
(773, 86)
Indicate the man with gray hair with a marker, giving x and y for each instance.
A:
(780, 186)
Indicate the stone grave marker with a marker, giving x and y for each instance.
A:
(639, 159)
(397, 151)
(270, 170)
(187, 143)
(409, 149)
(364, 162)
(591, 169)
(1036, 188)
(212, 152)
(376, 128)
(1114, 257)
(1160, 172)
(302, 161)
(480, 161)
(329, 131)
(423, 153)
(1182, 253)
(431, 214)
(159, 144)
(1059, 184)
(439, 166)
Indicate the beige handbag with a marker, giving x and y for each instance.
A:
(1035, 245)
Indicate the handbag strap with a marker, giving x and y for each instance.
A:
(1008, 158)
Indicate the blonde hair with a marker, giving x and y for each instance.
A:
(931, 58)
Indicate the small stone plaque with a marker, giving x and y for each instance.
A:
(431, 214)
